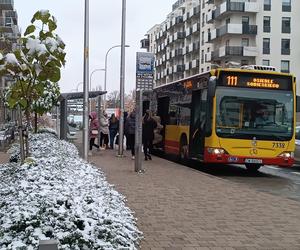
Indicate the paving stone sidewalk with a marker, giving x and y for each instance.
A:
(181, 208)
(4, 157)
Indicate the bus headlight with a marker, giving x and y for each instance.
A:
(287, 155)
(216, 151)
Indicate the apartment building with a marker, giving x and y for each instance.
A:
(202, 34)
(9, 35)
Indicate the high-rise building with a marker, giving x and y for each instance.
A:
(202, 34)
(9, 35)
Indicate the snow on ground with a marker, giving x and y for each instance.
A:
(56, 194)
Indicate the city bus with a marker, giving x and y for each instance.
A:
(229, 116)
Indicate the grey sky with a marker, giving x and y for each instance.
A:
(105, 29)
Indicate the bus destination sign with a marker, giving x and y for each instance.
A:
(254, 80)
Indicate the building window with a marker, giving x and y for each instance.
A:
(207, 68)
(202, 38)
(202, 56)
(285, 46)
(202, 70)
(266, 46)
(286, 5)
(267, 24)
(227, 20)
(227, 43)
(203, 4)
(286, 25)
(266, 62)
(245, 20)
(245, 42)
(244, 62)
(203, 19)
(285, 66)
(267, 5)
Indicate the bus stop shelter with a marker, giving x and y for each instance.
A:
(63, 99)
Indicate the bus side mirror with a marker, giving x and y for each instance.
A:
(211, 91)
(212, 86)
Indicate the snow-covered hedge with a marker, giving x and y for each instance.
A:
(56, 194)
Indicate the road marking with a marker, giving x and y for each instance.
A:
(272, 167)
(298, 173)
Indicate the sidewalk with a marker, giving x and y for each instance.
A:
(180, 208)
(4, 157)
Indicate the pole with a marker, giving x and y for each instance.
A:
(138, 132)
(86, 82)
(122, 79)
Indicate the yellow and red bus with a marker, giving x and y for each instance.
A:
(229, 116)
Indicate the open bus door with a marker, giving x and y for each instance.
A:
(197, 124)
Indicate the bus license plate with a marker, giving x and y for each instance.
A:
(256, 161)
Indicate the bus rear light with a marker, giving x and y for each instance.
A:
(287, 155)
(216, 151)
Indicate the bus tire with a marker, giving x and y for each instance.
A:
(183, 149)
(252, 167)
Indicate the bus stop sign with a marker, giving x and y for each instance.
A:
(144, 71)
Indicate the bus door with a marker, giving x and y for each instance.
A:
(163, 104)
(197, 124)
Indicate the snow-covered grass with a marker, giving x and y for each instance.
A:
(56, 194)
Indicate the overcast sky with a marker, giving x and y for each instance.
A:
(105, 32)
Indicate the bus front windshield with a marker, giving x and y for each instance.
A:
(247, 113)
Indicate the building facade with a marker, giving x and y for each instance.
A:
(202, 34)
(9, 35)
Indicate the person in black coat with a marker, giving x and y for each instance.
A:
(149, 124)
(130, 132)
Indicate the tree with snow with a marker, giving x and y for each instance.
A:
(35, 67)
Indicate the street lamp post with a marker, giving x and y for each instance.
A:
(78, 86)
(122, 80)
(105, 69)
(86, 82)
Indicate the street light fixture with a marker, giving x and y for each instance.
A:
(78, 86)
(105, 76)
(95, 70)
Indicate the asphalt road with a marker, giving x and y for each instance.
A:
(278, 181)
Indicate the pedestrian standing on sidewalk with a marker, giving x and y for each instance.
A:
(149, 124)
(125, 134)
(130, 131)
(104, 131)
(94, 127)
(113, 129)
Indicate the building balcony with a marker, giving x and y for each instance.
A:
(7, 24)
(178, 68)
(233, 29)
(145, 43)
(178, 52)
(178, 20)
(7, 4)
(187, 66)
(179, 35)
(196, 27)
(195, 63)
(188, 31)
(232, 51)
(232, 6)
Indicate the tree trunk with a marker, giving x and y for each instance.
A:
(27, 113)
(21, 138)
(35, 122)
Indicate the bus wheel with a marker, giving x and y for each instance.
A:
(183, 153)
(252, 167)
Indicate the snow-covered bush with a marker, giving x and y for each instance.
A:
(56, 194)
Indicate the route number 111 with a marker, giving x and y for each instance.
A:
(232, 80)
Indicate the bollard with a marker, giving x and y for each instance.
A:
(48, 245)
